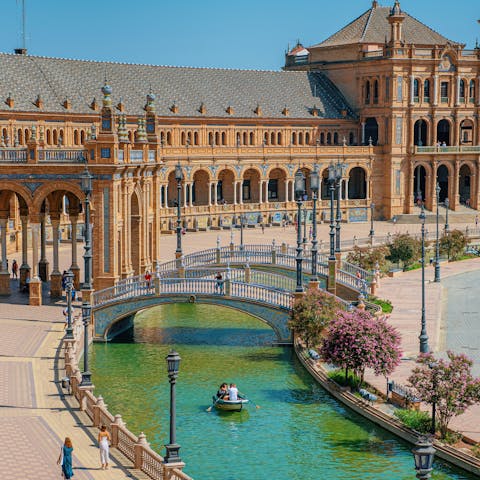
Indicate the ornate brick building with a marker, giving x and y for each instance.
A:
(393, 100)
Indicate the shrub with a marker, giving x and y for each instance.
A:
(419, 421)
(404, 248)
(453, 244)
(386, 305)
(338, 376)
(368, 257)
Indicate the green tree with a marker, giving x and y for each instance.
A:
(453, 244)
(312, 313)
(368, 257)
(404, 248)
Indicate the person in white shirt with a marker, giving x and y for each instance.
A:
(233, 392)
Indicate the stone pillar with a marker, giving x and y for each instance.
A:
(260, 192)
(292, 190)
(457, 91)
(43, 264)
(363, 133)
(166, 195)
(74, 267)
(435, 90)
(241, 192)
(185, 195)
(332, 276)
(215, 193)
(412, 82)
(191, 193)
(4, 275)
(56, 276)
(210, 193)
(266, 191)
(24, 268)
(235, 186)
(35, 285)
(138, 450)
(286, 191)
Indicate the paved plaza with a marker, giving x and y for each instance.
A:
(35, 415)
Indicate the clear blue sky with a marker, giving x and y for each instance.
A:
(211, 33)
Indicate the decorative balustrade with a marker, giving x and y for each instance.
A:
(57, 155)
(449, 149)
(13, 155)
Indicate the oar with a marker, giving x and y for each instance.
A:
(245, 398)
(209, 409)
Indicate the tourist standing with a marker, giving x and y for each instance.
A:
(14, 269)
(65, 459)
(104, 446)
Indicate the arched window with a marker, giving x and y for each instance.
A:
(252, 139)
(307, 138)
(265, 138)
(20, 136)
(49, 137)
(335, 138)
(55, 137)
(195, 138)
(210, 139)
(82, 137)
(300, 138)
(279, 138)
(294, 138)
(461, 89)
(75, 137)
(239, 141)
(217, 138)
(471, 92)
(224, 138)
(329, 138)
(169, 138)
(245, 138)
(189, 138)
(322, 138)
(367, 92)
(272, 138)
(426, 91)
(375, 91)
(27, 135)
(416, 90)
(182, 138)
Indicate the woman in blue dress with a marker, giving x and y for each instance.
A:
(65, 459)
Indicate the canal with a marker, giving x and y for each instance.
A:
(299, 431)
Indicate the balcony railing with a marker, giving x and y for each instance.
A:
(60, 155)
(449, 149)
(13, 155)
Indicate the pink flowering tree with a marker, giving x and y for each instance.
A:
(450, 384)
(357, 340)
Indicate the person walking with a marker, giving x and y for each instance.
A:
(65, 459)
(104, 446)
(14, 269)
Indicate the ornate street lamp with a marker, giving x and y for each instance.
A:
(86, 184)
(339, 168)
(299, 190)
(331, 181)
(437, 245)
(314, 187)
(372, 231)
(423, 454)
(423, 334)
(68, 290)
(86, 313)
(173, 364)
(179, 178)
(447, 206)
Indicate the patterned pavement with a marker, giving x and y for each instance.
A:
(21, 339)
(16, 385)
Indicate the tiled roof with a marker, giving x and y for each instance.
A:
(373, 27)
(54, 79)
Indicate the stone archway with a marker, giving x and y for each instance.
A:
(135, 234)
(251, 186)
(442, 179)
(357, 184)
(466, 132)
(443, 132)
(464, 185)
(226, 186)
(200, 189)
(276, 185)
(419, 184)
(420, 133)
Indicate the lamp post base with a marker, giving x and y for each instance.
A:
(172, 453)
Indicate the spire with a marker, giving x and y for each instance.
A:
(150, 106)
(396, 10)
(107, 91)
(374, 4)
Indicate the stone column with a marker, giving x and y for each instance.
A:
(56, 276)
(185, 187)
(412, 82)
(457, 91)
(260, 192)
(4, 275)
(363, 133)
(235, 187)
(210, 193)
(43, 264)
(286, 191)
(215, 193)
(241, 192)
(35, 285)
(24, 268)
(453, 187)
(74, 267)
(191, 193)
(435, 90)
(266, 191)
(292, 190)
(165, 189)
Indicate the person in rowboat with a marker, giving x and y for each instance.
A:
(222, 392)
(233, 392)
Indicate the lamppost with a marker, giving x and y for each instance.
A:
(173, 364)
(242, 221)
(179, 178)
(86, 184)
(423, 453)
(86, 314)
(372, 231)
(447, 206)
(314, 187)
(68, 289)
(437, 246)
(423, 334)
(432, 366)
(339, 167)
(299, 189)
(331, 180)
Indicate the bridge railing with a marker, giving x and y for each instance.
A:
(262, 294)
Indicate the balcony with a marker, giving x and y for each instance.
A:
(452, 149)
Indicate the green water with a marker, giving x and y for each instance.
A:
(299, 432)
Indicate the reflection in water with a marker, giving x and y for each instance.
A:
(299, 432)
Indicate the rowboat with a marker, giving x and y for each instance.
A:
(229, 405)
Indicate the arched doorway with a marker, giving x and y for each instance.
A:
(419, 184)
(371, 130)
(442, 179)
(466, 132)
(420, 130)
(276, 185)
(135, 219)
(443, 132)
(251, 186)
(464, 181)
(306, 173)
(357, 184)
(226, 181)
(201, 184)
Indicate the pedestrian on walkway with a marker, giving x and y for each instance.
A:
(104, 446)
(263, 228)
(14, 269)
(65, 459)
